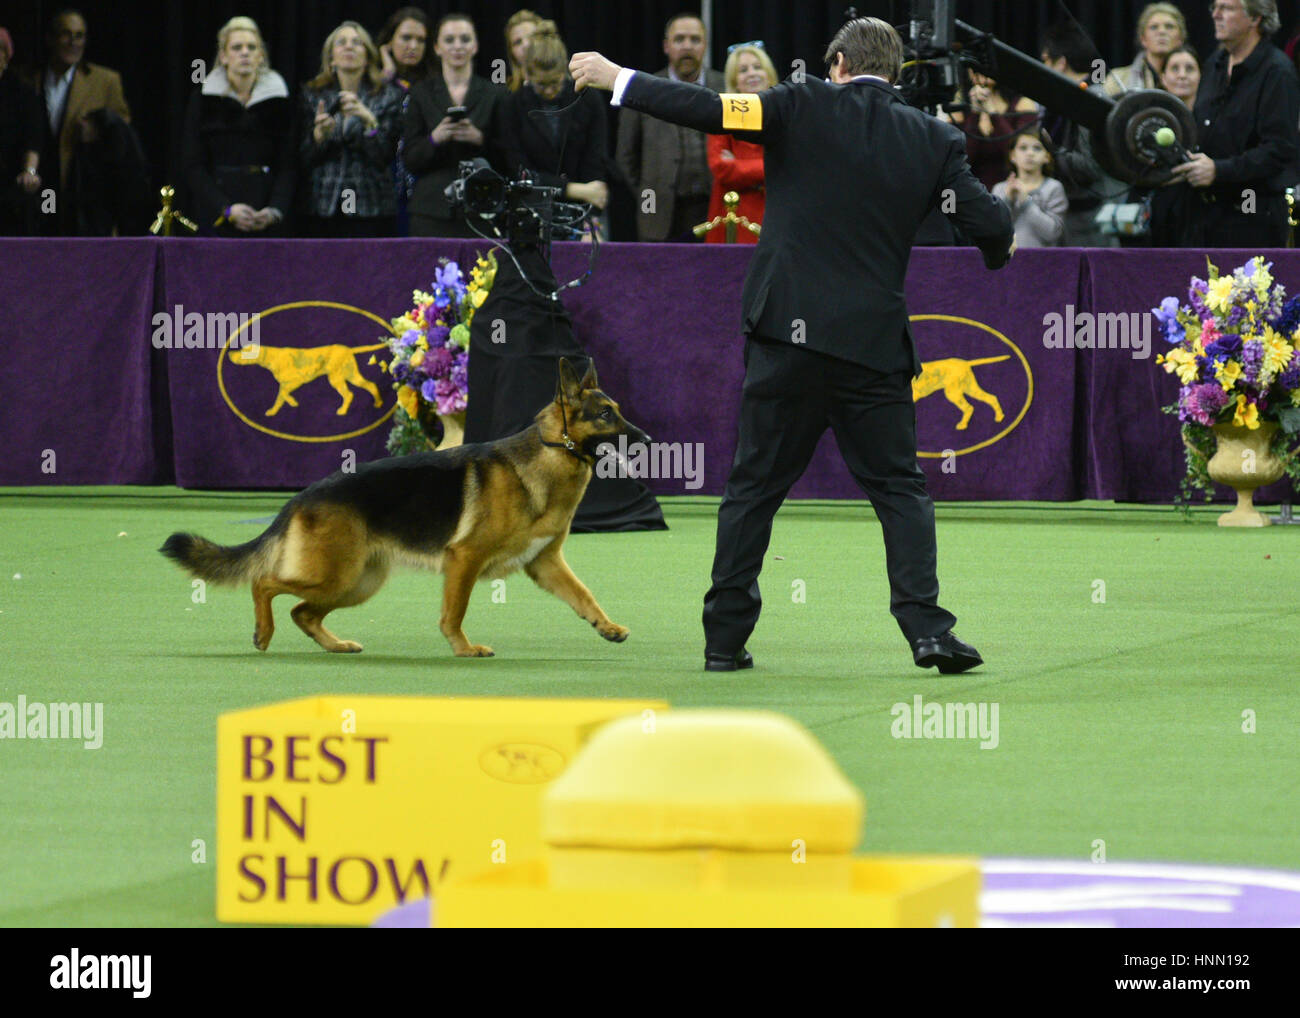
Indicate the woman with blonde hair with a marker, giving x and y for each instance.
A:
(351, 122)
(1161, 29)
(737, 165)
(519, 29)
(237, 143)
(547, 129)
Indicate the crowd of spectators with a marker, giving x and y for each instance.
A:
(368, 146)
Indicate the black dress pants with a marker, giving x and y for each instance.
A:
(791, 394)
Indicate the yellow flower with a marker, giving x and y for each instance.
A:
(479, 297)
(1227, 373)
(417, 358)
(1217, 299)
(408, 401)
(1182, 363)
(1247, 414)
(1277, 352)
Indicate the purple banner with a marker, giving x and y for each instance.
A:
(128, 362)
(309, 397)
(75, 385)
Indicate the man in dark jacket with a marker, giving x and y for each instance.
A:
(851, 172)
(1246, 113)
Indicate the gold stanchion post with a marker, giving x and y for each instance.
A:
(732, 221)
(163, 221)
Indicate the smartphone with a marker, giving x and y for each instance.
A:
(457, 112)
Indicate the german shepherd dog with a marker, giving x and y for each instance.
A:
(473, 512)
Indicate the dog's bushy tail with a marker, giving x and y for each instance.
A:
(217, 563)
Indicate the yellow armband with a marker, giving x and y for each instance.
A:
(741, 112)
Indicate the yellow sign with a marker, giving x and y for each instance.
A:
(293, 367)
(741, 112)
(334, 809)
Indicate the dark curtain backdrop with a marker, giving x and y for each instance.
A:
(153, 43)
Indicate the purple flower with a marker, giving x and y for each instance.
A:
(1201, 403)
(1224, 348)
(438, 335)
(447, 275)
(429, 390)
(450, 399)
(460, 373)
(410, 337)
(1167, 315)
(1196, 295)
(401, 371)
(437, 362)
(1287, 322)
(1290, 377)
(1252, 358)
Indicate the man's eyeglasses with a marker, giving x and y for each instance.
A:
(755, 44)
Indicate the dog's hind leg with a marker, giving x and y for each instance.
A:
(264, 622)
(362, 382)
(341, 387)
(310, 619)
(975, 392)
(552, 574)
(310, 614)
(461, 568)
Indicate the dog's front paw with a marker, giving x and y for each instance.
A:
(613, 632)
(475, 650)
(259, 641)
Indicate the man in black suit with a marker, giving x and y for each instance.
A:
(851, 171)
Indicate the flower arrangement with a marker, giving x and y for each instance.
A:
(1236, 351)
(430, 352)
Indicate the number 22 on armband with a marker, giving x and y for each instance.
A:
(741, 112)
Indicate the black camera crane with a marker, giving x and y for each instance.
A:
(1138, 138)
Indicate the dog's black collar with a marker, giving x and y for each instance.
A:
(566, 443)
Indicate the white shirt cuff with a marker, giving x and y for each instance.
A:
(620, 86)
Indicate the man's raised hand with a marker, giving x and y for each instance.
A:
(594, 70)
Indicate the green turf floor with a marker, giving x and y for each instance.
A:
(1119, 721)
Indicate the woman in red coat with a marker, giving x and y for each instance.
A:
(738, 165)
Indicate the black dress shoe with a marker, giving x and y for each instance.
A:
(728, 662)
(946, 651)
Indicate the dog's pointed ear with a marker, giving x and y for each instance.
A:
(589, 378)
(569, 388)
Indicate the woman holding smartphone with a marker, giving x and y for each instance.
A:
(450, 117)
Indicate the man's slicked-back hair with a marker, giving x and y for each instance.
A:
(870, 46)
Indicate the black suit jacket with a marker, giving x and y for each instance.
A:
(851, 171)
(436, 166)
(573, 153)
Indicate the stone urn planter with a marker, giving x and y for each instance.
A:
(1244, 462)
(443, 431)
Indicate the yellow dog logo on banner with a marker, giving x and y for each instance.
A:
(955, 378)
(294, 367)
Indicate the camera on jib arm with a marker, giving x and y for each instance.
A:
(520, 212)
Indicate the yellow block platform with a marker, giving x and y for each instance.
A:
(890, 891)
(334, 809)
